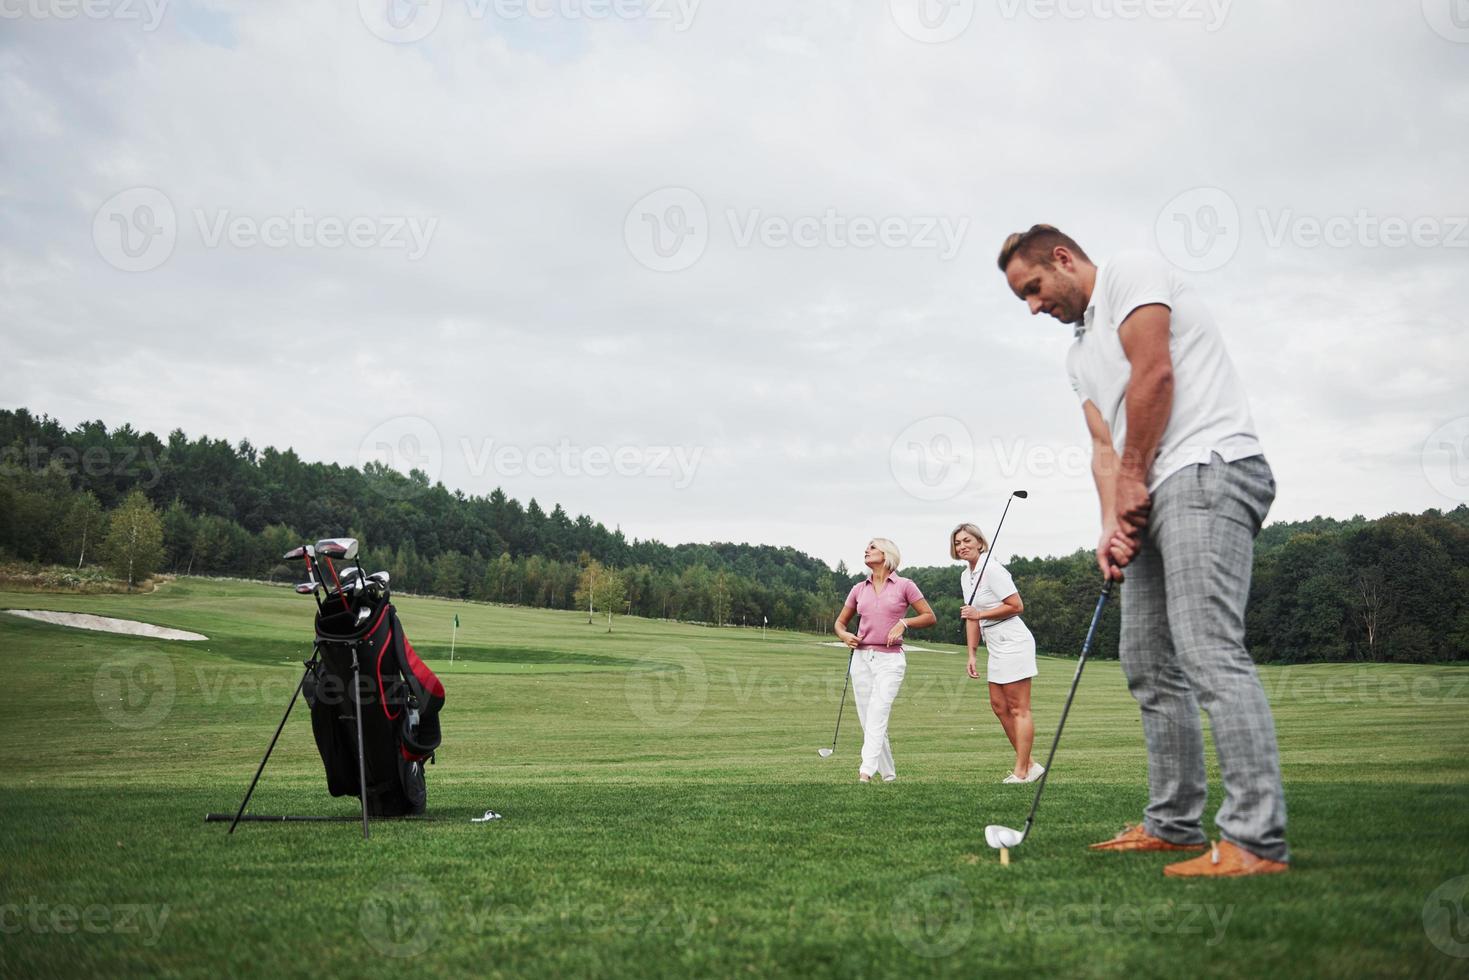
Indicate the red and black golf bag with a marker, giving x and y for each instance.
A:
(398, 699)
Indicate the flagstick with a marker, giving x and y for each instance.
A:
(452, 637)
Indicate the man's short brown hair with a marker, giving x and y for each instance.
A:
(1037, 244)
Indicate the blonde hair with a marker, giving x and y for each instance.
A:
(890, 553)
(984, 544)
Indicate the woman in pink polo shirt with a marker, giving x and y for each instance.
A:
(878, 663)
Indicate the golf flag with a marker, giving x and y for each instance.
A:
(456, 621)
(767, 621)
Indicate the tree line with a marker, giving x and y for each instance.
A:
(1393, 589)
(234, 510)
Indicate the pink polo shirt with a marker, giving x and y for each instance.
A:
(880, 612)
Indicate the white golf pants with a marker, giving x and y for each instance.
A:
(876, 678)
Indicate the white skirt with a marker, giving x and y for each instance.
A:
(1012, 651)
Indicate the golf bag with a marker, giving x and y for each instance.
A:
(399, 700)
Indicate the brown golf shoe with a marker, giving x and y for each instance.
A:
(1225, 860)
(1134, 838)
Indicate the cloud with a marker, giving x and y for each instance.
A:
(529, 321)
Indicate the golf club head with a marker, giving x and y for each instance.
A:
(306, 588)
(382, 577)
(997, 837)
(296, 554)
(338, 549)
(824, 753)
(1022, 494)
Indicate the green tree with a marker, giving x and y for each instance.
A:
(134, 544)
(84, 524)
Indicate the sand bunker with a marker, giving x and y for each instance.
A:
(103, 624)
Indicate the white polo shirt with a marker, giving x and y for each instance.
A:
(1211, 413)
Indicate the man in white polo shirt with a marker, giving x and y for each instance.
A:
(1184, 487)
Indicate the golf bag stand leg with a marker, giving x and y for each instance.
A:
(310, 664)
(361, 758)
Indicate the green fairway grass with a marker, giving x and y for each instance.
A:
(666, 813)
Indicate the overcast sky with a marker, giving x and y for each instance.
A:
(735, 256)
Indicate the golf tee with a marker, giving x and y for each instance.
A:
(1005, 857)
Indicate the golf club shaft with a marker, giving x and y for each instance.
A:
(1075, 680)
(989, 551)
(843, 703)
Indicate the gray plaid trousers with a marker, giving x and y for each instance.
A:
(1182, 649)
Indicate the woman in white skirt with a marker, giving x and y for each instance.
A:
(992, 607)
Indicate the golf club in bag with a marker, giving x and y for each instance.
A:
(374, 704)
(826, 753)
(1004, 838)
